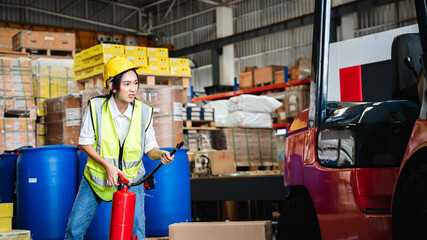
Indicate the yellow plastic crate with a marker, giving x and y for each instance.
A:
(113, 49)
(157, 52)
(159, 62)
(179, 62)
(87, 63)
(5, 224)
(135, 51)
(143, 69)
(78, 56)
(140, 61)
(86, 53)
(101, 58)
(98, 69)
(6, 210)
(79, 75)
(159, 70)
(180, 71)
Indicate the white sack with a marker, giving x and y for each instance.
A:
(248, 120)
(221, 111)
(253, 103)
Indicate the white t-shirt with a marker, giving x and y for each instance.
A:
(121, 123)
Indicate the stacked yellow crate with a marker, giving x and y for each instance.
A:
(90, 62)
(158, 61)
(138, 56)
(6, 214)
(180, 66)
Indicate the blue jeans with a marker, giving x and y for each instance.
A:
(86, 204)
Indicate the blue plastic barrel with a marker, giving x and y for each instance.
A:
(46, 183)
(7, 177)
(100, 225)
(169, 202)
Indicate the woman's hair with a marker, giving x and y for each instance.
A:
(116, 84)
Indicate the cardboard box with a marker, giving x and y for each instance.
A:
(281, 115)
(19, 132)
(247, 230)
(221, 161)
(44, 40)
(279, 77)
(6, 35)
(63, 120)
(246, 80)
(265, 75)
(297, 98)
(16, 235)
(252, 147)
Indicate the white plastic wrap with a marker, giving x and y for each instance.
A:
(247, 120)
(253, 103)
(222, 109)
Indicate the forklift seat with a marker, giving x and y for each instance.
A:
(406, 67)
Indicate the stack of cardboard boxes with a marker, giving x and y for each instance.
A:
(17, 107)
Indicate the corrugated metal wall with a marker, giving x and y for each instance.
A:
(282, 48)
(385, 18)
(70, 7)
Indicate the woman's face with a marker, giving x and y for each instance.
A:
(128, 87)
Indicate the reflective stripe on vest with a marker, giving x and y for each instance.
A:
(107, 145)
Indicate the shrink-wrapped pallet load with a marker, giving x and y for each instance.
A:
(166, 102)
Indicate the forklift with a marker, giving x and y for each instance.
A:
(358, 170)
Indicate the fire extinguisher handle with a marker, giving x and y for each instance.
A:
(177, 147)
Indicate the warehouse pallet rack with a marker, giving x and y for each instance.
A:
(258, 90)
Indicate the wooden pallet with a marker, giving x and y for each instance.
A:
(199, 125)
(90, 83)
(263, 84)
(160, 79)
(48, 52)
(148, 79)
(10, 54)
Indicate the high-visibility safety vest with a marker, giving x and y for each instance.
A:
(128, 157)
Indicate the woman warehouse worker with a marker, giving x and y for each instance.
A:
(116, 131)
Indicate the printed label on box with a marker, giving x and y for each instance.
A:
(32, 180)
(177, 111)
(73, 117)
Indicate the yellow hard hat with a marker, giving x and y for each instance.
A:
(115, 66)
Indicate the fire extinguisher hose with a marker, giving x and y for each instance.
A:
(125, 181)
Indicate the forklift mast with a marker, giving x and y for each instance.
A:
(320, 63)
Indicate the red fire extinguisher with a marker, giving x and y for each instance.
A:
(123, 207)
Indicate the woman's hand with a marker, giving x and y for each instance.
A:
(112, 172)
(166, 158)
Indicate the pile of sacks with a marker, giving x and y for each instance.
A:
(246, 111)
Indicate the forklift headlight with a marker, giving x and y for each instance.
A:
(336, 147)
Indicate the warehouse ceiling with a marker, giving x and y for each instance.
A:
(137, 17)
